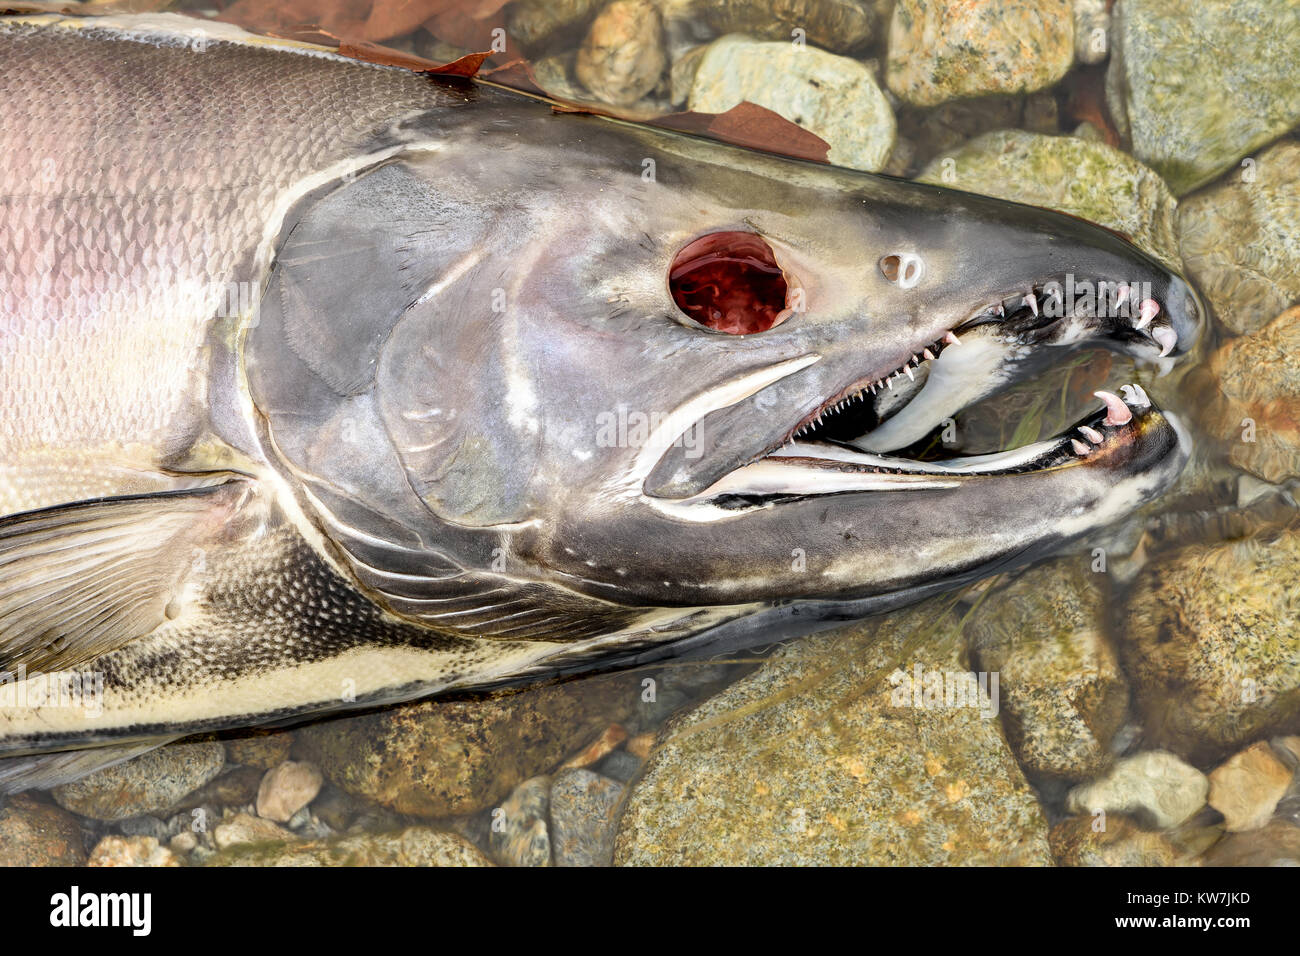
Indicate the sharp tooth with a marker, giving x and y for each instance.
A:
(1091, 434)
(951, 339)
(1147, 311)
(999, 310)
(1123, 293)
(1167, 338)
(1079, 447)
(1032, 302)
(928, 354)
(1117, 413)
(1135, 396)
(916, 359)
(890, 383)
(908, 370)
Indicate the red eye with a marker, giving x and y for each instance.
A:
(730, 282)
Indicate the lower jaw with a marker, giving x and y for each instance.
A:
(809, 469)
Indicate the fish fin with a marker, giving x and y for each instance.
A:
(82, 579)
(45, 771)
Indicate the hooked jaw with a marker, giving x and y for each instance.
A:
(844, 443)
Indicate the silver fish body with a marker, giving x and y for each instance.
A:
(316, 378)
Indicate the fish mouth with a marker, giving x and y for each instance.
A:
(860, 437)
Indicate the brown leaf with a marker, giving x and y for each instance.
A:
(466, 66)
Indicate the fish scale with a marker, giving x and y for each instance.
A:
(129, 207)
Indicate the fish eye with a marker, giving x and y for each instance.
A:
(731, 282)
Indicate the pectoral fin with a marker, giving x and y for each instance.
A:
(82, 579)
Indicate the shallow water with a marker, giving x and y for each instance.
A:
(1160, 658)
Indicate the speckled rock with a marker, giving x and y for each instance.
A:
(1248, 396)
(519, 833)
(286, 789)
(444, 758)
(153, 781)
(132, 851)
(840, 26)
(829, 761)
(414, 846)
(940, 50)
(1091, 30)
(1084, 178)
(1063, 697)
(1247, 787)
(622, 59)
(1211, 642)
(33, 833)
(261, 749)
(245, 828)
(584, 807)
(1155, 787)
(1076, 841)
(831, 96)
(1241, 239)
(1190, 113)
(1277, 844)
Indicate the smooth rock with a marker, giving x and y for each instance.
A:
(149, 783)
(832, 96)
(445, 758)
(33, 833)
(1211, 643)
(584, 807)
(1063, 696)
(1076, 841)
(821, 757)
(260, 749)
(233, 787)
(1241, 239)
(246, 828)
(287, 789)
(519, 834)
(940, 50)
(535, 23)
(1246, 395)
(1155, 787)
(1078, 176)
(131, 851)
(622, 59)
(1277, 844)
(1247, 787)
(1196, 85)
(413, 846)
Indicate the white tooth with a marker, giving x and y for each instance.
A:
(951, 339)
(928, 354)
(890, 383)
(1117, 413)
(1124, 291)
(1167, 338)
(1135, 396)
(1091, 434)
(1079, 447)
(1147, 311)
(916, 359)
(908, 370)
(1000, 311)
(1032, 302)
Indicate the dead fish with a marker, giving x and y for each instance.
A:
(326, 385)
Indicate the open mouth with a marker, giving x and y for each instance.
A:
(868, 436)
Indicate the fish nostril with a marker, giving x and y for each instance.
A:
(904, 269)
